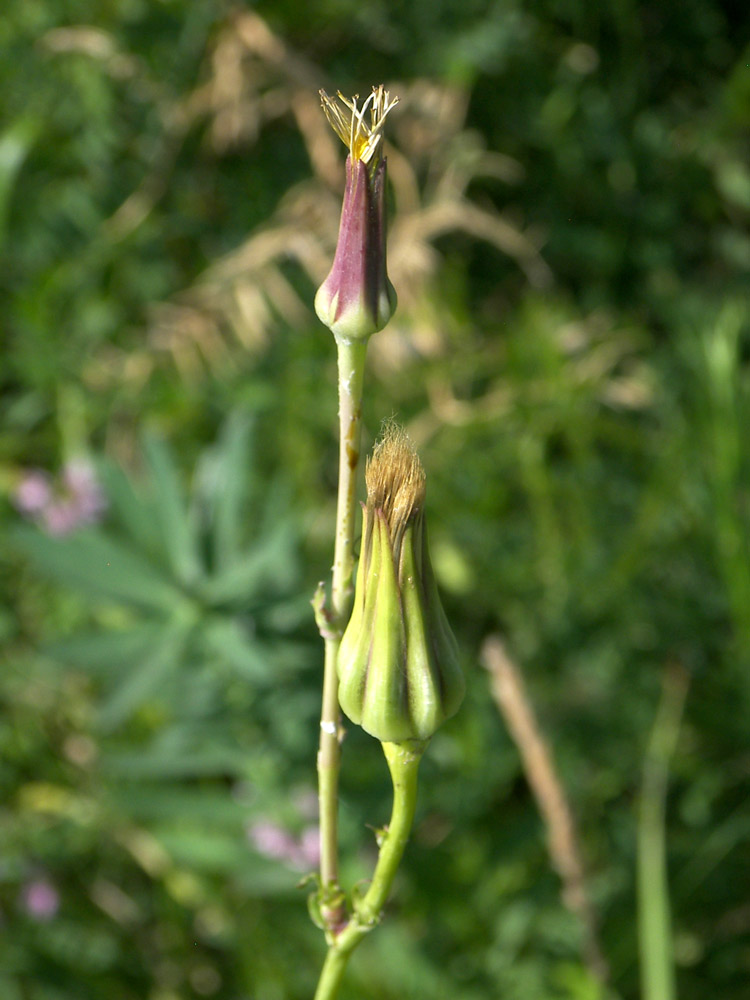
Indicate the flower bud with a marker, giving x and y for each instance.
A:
(399, 676)
(357, 299)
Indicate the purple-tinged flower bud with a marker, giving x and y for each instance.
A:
(357, 299)
(399, 675)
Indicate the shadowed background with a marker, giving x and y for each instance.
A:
(570, 243)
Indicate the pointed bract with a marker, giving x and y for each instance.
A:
(399, 674)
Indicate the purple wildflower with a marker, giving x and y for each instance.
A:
(76, 500)
(40, 899)
(84, 488)
(33, 493)
(273, 841)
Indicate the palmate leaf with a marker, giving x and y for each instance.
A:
(103, 651)
(177, 527)
(226, 639)
(144, 679)
(135, 508)
(183, 635)
(99, 567)
(268, 562)
(226, 475)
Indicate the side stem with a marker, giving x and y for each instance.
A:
(351, 365)
(403, 762)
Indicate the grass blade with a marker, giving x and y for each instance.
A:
(654, 916)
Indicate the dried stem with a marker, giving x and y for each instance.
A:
(509, 692)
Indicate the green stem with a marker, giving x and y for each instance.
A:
(655, 942)
(403, 762)
(351, 365)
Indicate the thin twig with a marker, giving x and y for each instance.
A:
(509, 692)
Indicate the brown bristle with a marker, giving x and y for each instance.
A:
(395, 478)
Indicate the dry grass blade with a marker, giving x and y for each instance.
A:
(509, 692)
(254, 77)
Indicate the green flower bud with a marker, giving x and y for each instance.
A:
(357, 299)
(399, 675)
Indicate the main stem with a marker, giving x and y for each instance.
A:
(403, 763)
(351, 364)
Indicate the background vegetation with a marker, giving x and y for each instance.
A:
(571, 247)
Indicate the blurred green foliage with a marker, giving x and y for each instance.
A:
(571, 358)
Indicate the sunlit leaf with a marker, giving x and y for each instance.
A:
(100, 567)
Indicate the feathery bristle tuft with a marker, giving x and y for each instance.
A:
(395, 478)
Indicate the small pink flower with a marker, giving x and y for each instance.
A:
(60, 517)
(33, 493)
(60, 508)
(272, 840)
(40, 899)
(80, 479)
